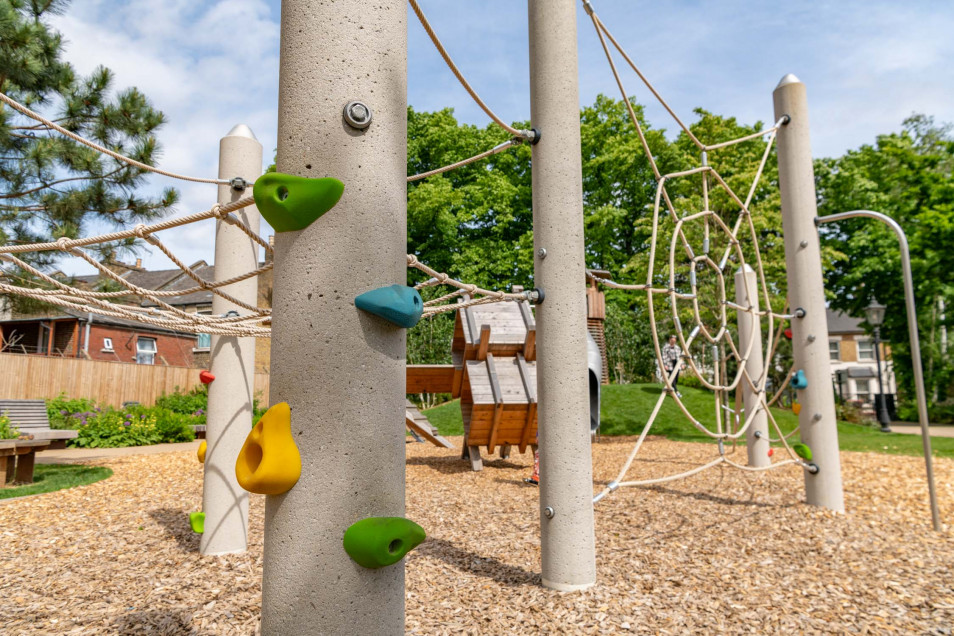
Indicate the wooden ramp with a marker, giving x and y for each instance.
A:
(418, 423)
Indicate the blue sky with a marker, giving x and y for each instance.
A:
(210, 65)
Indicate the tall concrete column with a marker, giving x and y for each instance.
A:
(746, 295)
(566, 472)
(341, 370)
(229, 417)
(806, 291)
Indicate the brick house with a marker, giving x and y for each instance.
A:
(69, 333)
(72, 334)
(853, 366)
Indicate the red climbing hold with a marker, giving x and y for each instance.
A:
(205, 377)
(788, 334)
(771, 452)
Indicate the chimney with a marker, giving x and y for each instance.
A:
(138, 263)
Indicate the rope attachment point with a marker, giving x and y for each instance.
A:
(239, 184)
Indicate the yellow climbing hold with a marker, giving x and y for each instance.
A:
(796, 408)
(269, 463)
(201, 454)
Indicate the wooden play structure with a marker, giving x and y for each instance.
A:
(494, 375)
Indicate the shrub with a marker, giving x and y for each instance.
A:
(188, 403)
(62, 409)
(113, 429)
(7, 431)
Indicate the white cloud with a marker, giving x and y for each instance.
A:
(211, 65)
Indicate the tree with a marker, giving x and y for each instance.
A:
(51, 186)
(910, 177)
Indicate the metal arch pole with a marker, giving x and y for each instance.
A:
(912, 335)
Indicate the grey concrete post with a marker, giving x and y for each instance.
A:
(229, 417)
(756, 436)
(566, 472)
(341, 370)
(806, 291)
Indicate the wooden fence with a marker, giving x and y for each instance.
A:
(24, 377)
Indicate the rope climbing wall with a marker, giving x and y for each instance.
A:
(691, 252)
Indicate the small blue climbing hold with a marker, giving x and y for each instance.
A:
(799, 381)
(397, 304)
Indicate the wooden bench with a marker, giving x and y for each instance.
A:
(17, 456)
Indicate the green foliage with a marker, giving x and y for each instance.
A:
(113, 429)
(192, 402)
(7, 431)
(910, 177)
(53, 477)
(51, 186)
(629, 349)
(61, 410)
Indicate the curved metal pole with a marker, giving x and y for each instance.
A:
(915, 341)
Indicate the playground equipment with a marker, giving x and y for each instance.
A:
(419, 425)
(378, 542)
(269, 462)
(361, 247)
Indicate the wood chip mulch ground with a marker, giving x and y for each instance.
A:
(723, 551)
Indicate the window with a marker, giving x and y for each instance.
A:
(107, 344)
(203, 340)
(863, 390)
(834, 350)
(865, 350)
(145, 351)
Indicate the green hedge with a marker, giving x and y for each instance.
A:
(170, 420)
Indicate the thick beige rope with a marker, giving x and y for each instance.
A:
(95, 146)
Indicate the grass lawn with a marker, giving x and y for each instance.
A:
(50, 477)
(625, 407)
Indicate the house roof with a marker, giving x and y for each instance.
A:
(839, 322)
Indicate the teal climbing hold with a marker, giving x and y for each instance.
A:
(197, 521)
(377, 542)
(799, 381)
(803, 451)
(397, 304)
(292, 203)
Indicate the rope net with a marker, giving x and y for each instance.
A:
(687, 282)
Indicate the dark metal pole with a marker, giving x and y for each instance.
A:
(883, 418)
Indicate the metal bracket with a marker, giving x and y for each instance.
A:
(239, 184)
(535, 295)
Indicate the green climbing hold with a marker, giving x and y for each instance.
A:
(803, 451)
(292, 203)
(397, 304)
(197, 521)
(377, 542)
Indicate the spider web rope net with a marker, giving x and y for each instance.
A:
(702, 241)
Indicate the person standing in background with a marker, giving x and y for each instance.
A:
(672, 358)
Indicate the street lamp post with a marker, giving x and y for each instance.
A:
(875, 315)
